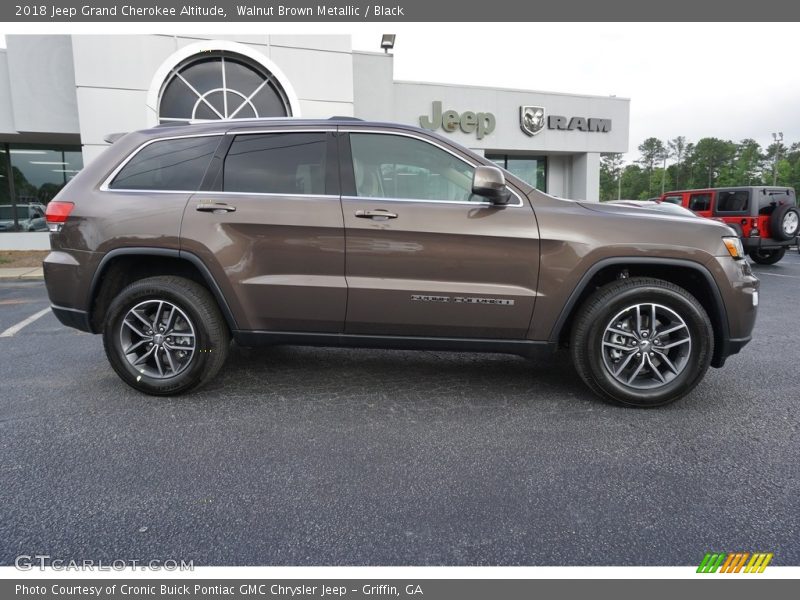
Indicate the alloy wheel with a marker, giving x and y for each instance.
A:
(157, 339)
(646, 346)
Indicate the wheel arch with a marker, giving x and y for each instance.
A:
(693, 277)
(123, 266)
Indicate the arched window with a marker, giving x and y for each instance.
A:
(221, 85)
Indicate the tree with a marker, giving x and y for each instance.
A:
(634, 182)
(711, 155)
(652, 151)
(775, 152)
(677, 150)
(748, 163)
(610, 175)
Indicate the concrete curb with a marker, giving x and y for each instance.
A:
(21, 274)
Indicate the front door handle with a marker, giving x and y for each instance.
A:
(215, 207)
(375, 214)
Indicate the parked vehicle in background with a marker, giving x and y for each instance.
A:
(664, 207)
(766, 218)
(30, 217)
(345, 232)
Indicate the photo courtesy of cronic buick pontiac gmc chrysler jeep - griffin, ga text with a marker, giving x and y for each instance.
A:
(341, 232)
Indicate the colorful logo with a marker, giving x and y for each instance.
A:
(734, 562)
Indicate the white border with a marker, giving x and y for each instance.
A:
(182, 54)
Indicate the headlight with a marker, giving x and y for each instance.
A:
(734, 246)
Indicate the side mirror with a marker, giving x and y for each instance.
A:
(490, 183)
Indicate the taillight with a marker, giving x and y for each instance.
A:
(57, 213)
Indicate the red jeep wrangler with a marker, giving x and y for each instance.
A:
(766, 218)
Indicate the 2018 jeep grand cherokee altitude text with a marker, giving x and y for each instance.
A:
(344, 232)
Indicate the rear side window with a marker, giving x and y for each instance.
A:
(276, 163)
(700, 202)
(735, 201)
(170, 165)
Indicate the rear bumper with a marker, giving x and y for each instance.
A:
(72, 317)
(754, 243)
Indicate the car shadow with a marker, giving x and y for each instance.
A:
(305, 373)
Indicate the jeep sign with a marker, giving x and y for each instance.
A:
(482, 123)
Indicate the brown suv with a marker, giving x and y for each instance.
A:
(349, 233)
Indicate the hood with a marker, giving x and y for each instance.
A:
(636, 213)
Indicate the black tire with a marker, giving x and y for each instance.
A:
(593, 342)
(197, 317)
(767, 257)
(784, 223)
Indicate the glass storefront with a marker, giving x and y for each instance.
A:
(30, 176)
(531, 169)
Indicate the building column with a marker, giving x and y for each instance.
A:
(585, 177)
(558, 180)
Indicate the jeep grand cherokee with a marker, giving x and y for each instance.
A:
(344, 232)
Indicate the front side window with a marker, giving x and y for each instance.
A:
(276, 163)
(168, 165)
(735, 201)
(399, 167)
(700, 202)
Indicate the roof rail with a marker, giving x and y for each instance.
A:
(337, 118)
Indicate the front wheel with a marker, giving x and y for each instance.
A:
(767, 257)
(165, 335)
(642, 342)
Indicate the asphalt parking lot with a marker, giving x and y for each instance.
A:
(328, 456)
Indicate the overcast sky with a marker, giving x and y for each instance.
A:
(730, 81)
(726, 80)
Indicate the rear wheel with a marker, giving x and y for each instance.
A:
(165, 335)
(642, 342)
(767, 257)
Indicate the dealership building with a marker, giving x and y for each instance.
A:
(61, 95)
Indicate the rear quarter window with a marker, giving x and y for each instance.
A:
(700, 202)
(169, 165)
(736, 201)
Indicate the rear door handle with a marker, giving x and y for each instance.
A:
(215, 207)
(375, 214)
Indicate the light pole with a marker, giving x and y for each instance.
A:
(778, 138)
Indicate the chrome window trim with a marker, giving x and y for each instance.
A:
(432, 143)
(455, 202)
(267, 194)
(105, 186)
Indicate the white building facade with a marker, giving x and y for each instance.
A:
(61, 95)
